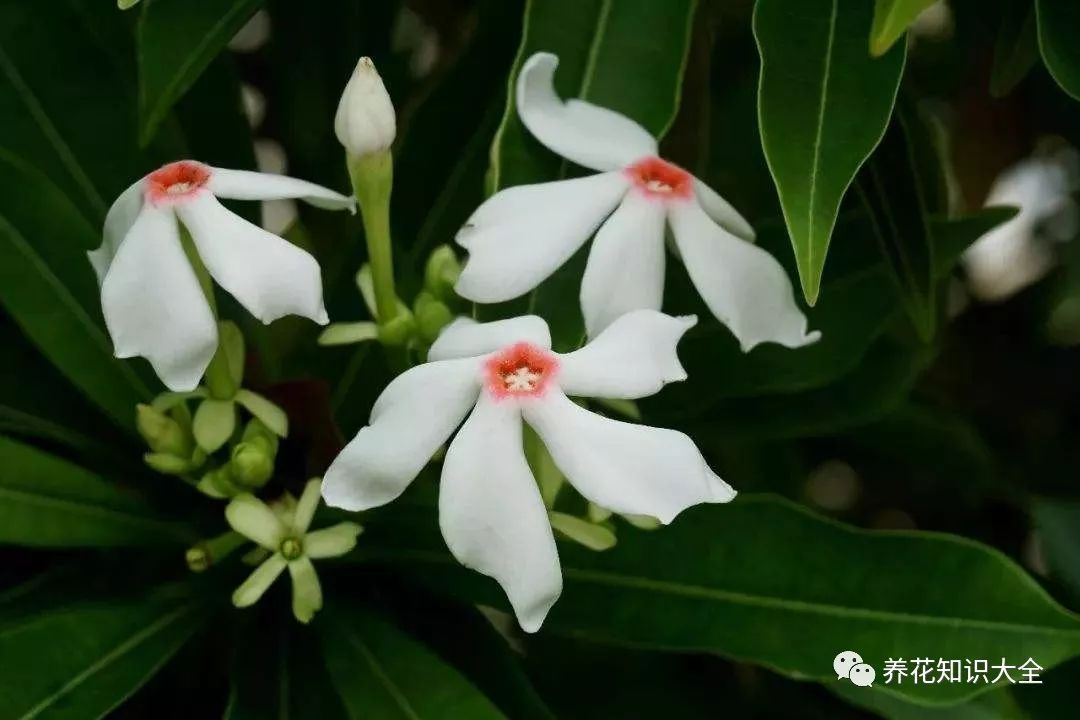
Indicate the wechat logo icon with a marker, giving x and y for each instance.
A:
(849, 665)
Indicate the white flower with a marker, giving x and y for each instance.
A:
(490, 509)
(522, 234)
(150, 294)
(283, 531)
(365, 122)
(1017, 253)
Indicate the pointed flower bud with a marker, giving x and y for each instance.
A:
(365, 122)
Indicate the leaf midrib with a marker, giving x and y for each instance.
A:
(818, 133)
(380, 674)
(76, 507)
(156, 114)
(670, 587)
(106, 660)
(52, 135)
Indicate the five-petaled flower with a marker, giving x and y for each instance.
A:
(150, 294)
(282, 530)
(521, 235)
(490, 509)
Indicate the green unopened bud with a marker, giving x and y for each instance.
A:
(167, 464)
(399, 330)
(431, 316)
(218, 484)
(441, 272)
(163, 434)
(201, 556)
(252, 462)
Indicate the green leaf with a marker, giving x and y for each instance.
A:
(952, 237)
(1058, 523)
(997, 705)
(176, 40)
(823, 105)
(48, 287)
(83, 661)
(891, 20)
(278, 672)
(893, 193)
(1058, 26)
(603, 60)
(467, 639)
(48, 502)
(1017, 48)
(381, 672)
(771, 583)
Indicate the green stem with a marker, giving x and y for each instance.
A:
(218, 378)
(372, 179)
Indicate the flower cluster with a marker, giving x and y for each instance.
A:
(167, 236)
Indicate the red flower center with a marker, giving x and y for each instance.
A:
(521, 370)
(660, 179)
(176, 181)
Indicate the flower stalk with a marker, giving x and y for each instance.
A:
(372, 178)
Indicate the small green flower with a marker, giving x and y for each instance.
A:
(284, 533)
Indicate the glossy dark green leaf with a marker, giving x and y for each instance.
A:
(891, 20)
(82, 661)
(1017, 48)
(823, 105)
(1058, 522)
(1058, 26)
(462, 636)
(382, 673)
(896, 201)
(278, 672)
(48, 286)
(771, 583)
(48, 502)
(882, 380)
(176, 41)
(996, 705)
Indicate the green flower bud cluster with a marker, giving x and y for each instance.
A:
(415, 327)
(183, 444)
(168, 433)
(250, 465)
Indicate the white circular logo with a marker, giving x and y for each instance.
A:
(843, 663)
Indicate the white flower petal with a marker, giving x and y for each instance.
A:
(467, 338)
(254, 519)
(269, 276)
(588, 134)
(625, 468)
(121, 216)
(625, 270)
(333, 541)
(307, 597)
(259, 581)
(633, 358)
(722, 213)
(744, 286)
(250, 185)
(415, 414)
(523, 234)
(491, 513)
(153, 304)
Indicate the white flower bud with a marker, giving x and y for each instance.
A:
(365, 122)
